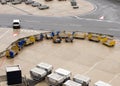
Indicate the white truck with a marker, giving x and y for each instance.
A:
(71, 83)
(16, 24)
(41, 71)
(84, 80)
(101, 83)
(58, 77)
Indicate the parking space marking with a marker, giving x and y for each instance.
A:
(116, 76)
(20, 9)
(92, 68)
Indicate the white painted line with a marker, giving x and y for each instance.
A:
(116, 76)
(101, 18)
(96, 20)
(114, 29)
(4, 34)
(92, 67)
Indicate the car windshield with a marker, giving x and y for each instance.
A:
(15, 23)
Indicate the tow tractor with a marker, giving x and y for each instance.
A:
(12, 51)
(69, 38)
(39, 37)
(57, 39)
(49, 35)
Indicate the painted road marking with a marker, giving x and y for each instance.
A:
(116, 76)
(52, 24)
(114, 29)
(2, 61)
(102, 18)
(4, 34)
(92, 68)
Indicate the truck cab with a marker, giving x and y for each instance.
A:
(16, 24)
(58, 77)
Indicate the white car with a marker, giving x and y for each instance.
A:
(16, 24)
(43, 7)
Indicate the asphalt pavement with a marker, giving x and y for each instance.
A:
(110, 9)
(63, 23)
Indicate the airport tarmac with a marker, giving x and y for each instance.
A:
(57, 8)
(88, 58)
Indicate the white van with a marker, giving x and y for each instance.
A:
(16, 24)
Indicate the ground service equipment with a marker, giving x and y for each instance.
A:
(20, 43)
(43, 7)
(79, 35)
(14, 75)
(73, 3)
(69, 37)
(14, 2)
(71, 83)
(57, 39)
(3, 2)
(36, 4)
(94, 37)
(29, 40)
(39, 37)
(62, 34)
(49, 35)
(41, 71)
(48, 0)
(82, 80)
(75, 7)
(12, 51)
(29, 2)
(108, 41)
(101, 83)
(58, 77)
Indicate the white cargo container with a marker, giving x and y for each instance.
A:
(37, 73)
(45, 66)
(71, 83)
(41, 71)
(58, 77)
(84, 80)
(101, 83)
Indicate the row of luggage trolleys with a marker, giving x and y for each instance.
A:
(18, 45)
(105, 39)
(57, 37)
(60, 76)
